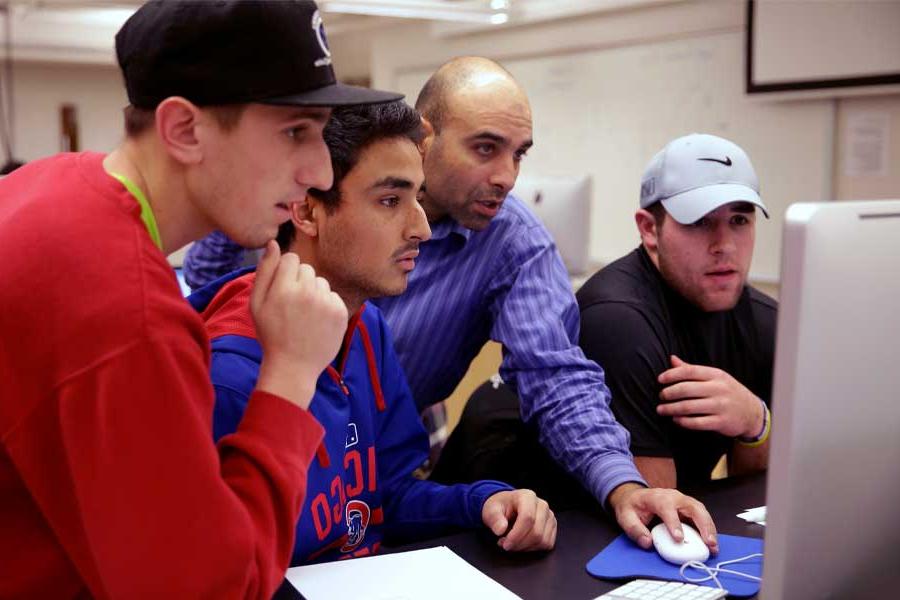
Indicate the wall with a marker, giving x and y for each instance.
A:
(98, 92)
(871, 145)
(351, 54)
(608, 90)
(40, 89)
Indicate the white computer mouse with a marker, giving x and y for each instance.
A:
(692, 548)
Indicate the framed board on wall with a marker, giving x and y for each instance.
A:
(796, 46)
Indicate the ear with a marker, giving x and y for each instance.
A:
(303, 216)
(177, 123)
(649, 231)
(426, 142)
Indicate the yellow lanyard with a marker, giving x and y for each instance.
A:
(146, 212)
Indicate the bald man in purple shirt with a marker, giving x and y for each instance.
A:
(491, 271)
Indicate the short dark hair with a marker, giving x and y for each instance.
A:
(349, 131)
(659, 213)
(139, 120)
(432, 100)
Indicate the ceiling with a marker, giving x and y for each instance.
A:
(83, 30)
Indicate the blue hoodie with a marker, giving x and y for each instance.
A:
(361, 486)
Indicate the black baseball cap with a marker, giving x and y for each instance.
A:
(215, 52)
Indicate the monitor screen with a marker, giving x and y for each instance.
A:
(563, 204)
(833, 495)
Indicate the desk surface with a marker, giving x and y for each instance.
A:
(582, 534)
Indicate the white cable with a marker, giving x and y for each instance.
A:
(713, 572)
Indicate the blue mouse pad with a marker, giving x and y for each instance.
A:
(623, 559)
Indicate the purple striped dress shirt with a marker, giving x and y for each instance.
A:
(508, 284)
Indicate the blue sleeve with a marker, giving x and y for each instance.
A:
(210, 258)
(415, 508)
(233, 377)
(536, 319)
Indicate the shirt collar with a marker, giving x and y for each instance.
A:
(446, 227)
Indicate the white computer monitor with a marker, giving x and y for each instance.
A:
(833, 495)
(563, 204)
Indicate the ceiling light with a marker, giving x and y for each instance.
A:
(469, 11)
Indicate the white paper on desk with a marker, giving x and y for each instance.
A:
(755, 515)
(434, 573)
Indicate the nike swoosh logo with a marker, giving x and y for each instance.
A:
(726, 162)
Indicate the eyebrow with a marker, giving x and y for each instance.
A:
(744, 207)
(499, 139)
(391, 182)
(319, 115)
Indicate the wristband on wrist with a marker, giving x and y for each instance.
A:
(763, 435)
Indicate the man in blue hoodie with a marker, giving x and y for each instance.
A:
(362, 236)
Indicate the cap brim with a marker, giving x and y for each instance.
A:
(691, 206)
(337, 94)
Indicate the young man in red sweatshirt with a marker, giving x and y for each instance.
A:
(109, 484)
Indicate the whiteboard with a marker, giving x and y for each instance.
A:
(606, 111)
(808, 45)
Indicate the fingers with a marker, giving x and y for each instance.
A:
(722, 414)
(282, 281)
(554, 528)
(668, 514)
(697, 513)
(300, 324)
(680, 371)
(322, 285)
(688, 372)
(634, 527)
(545, 528)
(493, 515)
(684, 408)
(265, 272)
(685, 390)
(534, 524)
(632, 513)
(545, 535)
(524, 512)
(277, 273)
(712, 401)
(669, 506)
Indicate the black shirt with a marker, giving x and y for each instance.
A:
(632, 321)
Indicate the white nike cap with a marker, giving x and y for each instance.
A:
(696, 174)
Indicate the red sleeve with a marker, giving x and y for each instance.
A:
(122, 465)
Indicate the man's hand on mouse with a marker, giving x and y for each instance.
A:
(635, 506)
(709, 399)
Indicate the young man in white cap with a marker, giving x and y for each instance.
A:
(686, 344)
(110, 485)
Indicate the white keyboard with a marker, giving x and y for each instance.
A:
(651, 589)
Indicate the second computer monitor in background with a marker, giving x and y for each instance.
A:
(563, 204)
